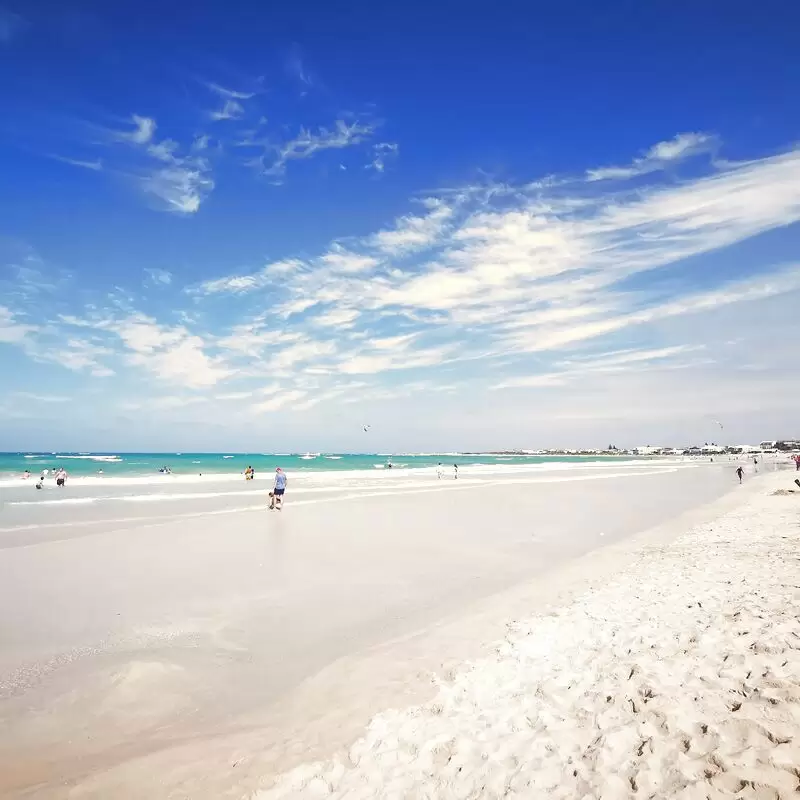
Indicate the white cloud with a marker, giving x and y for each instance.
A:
(143, 131)
(279, 401)
(232, 109)
(172, 354)
(201, 142)
(240, 284)
(233, 94)
(77, 355)
(658, 157)
(341, 260)
(386, 360)
(181, 187)
(381, 154)
(578, 369)
(414, 232)
(179, 183)
(12, 331)
(308, 143)
(158, 277)
(301, 352)
(95, 166)
(336, 318)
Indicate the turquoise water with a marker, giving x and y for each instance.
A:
(142, 464)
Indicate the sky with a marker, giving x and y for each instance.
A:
(262, 227)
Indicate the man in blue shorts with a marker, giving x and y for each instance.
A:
(277, 492)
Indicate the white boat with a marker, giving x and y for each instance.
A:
(309, 456)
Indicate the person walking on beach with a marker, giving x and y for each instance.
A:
(740, 473)
(278, 490)
(439, 472)
(455, 472)
(61, 476)
(797, 463)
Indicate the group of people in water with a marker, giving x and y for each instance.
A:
(59, 475)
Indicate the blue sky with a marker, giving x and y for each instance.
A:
(471, 226)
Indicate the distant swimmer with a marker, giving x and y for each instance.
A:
(455, 471)
(439, 471)
(740, 473)
(276, 495)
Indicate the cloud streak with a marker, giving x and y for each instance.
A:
(659, 157)
(178, 183)
(308, 143)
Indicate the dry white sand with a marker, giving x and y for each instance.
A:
(678, 678)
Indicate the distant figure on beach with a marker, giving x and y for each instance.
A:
(27, 474)
(755, 463)
(740, 473)
(276, 495)
(439, 471)
(44, 474)
(61, 476)
(248, 474)
(455, 472)
(797, 463)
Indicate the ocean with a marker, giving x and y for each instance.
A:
(121, 488)
(141, 465)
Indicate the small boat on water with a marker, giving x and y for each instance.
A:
(309, 456)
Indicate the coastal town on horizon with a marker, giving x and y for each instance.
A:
(707, 448)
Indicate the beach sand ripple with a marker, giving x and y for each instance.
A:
(678, 678)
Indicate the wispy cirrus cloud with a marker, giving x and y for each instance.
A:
(227, 93)
(382, 153)
(659, 157)
(158, 277)
(144, 129)
(523, 271)
(95, 165)
(308, 143)
(232, 109)
(178, 183)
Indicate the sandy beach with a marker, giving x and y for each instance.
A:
(215, 651)
(680, 677)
